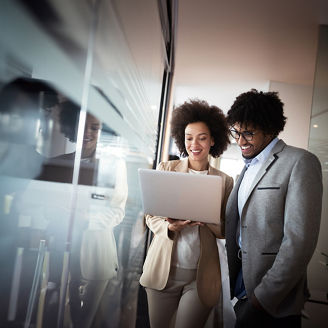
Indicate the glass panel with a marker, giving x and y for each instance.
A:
(35, 213)
(124, 95)
(318, 144)
(79, 100)
(37, 73)
(128, 69)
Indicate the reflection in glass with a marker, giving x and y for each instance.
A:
(23, 104)
(102, 194)
(318, 144)
(93, 227)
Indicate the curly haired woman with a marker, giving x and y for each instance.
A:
(182, 272)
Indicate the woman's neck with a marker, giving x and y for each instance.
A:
(87, 153)
(197, 165)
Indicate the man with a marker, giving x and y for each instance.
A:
(24, 103)
(272, 217)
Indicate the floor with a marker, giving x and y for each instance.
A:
(317, 313)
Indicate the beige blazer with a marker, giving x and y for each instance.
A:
(158, 261)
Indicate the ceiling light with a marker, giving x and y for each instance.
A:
(315, 125)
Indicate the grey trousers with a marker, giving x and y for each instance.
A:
(178, 304)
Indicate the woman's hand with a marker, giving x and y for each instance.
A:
(178, 225)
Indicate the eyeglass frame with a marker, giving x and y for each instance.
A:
(247, 138)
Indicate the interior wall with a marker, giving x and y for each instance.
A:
(297, 100)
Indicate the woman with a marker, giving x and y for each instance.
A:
(182, 268)
(100, 207)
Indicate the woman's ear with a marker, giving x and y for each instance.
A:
(212, 142)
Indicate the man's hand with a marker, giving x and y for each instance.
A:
(251, 314)
(257, 304)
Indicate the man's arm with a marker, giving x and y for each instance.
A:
(302, 216)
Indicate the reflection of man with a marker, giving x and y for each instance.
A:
(22, 103)
(273, 216)
(102, 194)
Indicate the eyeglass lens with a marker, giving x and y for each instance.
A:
(246, 135)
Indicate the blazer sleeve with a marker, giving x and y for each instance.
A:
(302, 214)
(219, 229)
(158, 224)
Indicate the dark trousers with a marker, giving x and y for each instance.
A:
(248, 316)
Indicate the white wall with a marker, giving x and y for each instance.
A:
(297, 109)
(221, 94)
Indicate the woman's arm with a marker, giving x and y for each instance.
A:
(159, 226)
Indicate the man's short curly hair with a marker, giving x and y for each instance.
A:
(200, 111)
(262, 110)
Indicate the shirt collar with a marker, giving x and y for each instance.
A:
(263, 155)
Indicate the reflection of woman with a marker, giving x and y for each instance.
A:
(94, 257)
(60, 168)
(182, 269)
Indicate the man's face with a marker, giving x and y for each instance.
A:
(251, 148)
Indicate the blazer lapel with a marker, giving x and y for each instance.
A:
(234, 194)
(182, 166)
(271, 159)
(232, 216)
(211, 170)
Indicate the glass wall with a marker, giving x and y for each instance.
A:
(318, 144)
(80, 94)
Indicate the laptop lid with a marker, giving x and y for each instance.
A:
(177, 195)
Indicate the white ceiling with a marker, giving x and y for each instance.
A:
(227, 47)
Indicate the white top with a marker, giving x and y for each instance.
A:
(187, 248)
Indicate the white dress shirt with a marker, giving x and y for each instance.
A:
(253, 166)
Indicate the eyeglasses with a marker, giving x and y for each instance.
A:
(248, 136)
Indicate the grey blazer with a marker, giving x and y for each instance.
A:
(279, 227)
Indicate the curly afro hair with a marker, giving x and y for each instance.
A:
(200, 111)
(262, 110)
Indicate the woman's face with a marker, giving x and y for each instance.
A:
(198, 141)
(91, 132)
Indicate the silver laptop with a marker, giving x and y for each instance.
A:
(183, 196)
(43, 202)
